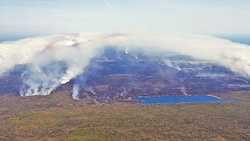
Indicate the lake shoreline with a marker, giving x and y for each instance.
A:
(180, 99)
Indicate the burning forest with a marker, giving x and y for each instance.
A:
(115, 67)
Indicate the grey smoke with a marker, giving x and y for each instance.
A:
(91, 90)
(55, 60)
(172, 65)
(184, 91)
(75, 92)
(124, 92)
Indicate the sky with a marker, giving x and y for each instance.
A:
(38, 17)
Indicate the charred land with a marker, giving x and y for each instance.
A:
(103, 110)
(116, 76)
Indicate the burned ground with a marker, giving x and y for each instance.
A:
(116, 76)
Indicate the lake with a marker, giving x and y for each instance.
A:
(180, 99)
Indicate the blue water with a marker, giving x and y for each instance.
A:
(212, 75)
(239, 85)
(180, 99)
(244, 39)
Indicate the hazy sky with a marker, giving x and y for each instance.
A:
(67, 16)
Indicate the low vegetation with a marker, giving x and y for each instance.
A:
(58, 117)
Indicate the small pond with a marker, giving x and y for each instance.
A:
(180, 99)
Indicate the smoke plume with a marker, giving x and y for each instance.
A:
(55, 60)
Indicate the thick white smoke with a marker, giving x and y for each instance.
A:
(55, 60)
(20, 52)
(75, 92)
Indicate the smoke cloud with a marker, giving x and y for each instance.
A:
(55, 60)
(75, 92)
